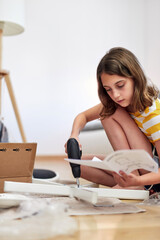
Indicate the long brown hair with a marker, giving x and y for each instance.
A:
(122, 62)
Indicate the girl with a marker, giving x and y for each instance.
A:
(130, 115)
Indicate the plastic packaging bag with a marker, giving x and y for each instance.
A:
(36, 219)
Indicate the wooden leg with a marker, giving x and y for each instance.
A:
(13, 100)
(1, 34)
(0, 95)
(1, 76)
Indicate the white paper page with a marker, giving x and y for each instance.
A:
(90, 163)
(125, 160)
(129, 160)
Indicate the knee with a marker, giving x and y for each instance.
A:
(106, 121)
(112, 117)
(120, 116)
(121, 111)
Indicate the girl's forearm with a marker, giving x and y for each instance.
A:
(78, 124)
(150, 178)
(84, 117)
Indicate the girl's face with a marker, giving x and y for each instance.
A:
(120, 89)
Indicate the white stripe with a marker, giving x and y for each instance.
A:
(149, 137)
(152, 122)
(139, 119)
(151, 109)
(143, 130)
(156, 135)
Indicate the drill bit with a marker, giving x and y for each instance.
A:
(78, 184)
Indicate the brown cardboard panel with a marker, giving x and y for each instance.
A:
(16, 162)
(17, 159)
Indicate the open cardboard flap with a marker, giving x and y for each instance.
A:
(16, 162)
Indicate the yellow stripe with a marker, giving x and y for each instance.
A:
(153, 141)
(154, 128)
(147, 134)
(137, 114)
(152, 112)
(152, 115)
(157, 102)
(138, 123)
(146, 110)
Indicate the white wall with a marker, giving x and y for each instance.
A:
(53, 63)
(153, 41)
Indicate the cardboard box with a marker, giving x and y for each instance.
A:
(16, 162)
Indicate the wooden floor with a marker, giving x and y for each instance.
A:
(140, 226)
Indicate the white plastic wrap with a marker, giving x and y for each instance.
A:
(36, 219)
(154, 199)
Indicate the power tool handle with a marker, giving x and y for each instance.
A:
(74, 152)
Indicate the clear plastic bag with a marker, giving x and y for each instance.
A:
(154, 199)
(36, 219)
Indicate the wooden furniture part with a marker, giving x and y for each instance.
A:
(61, 190)
(64, 190)
(6, 76)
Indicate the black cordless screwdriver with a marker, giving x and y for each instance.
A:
(74, 153)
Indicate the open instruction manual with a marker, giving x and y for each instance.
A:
(125, 160)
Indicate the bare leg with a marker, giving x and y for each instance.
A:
(123, 133)
(102, 177)
(97, 176)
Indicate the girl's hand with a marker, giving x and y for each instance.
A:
(65, 145)
(126, 180)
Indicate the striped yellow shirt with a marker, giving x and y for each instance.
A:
(149, 121)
